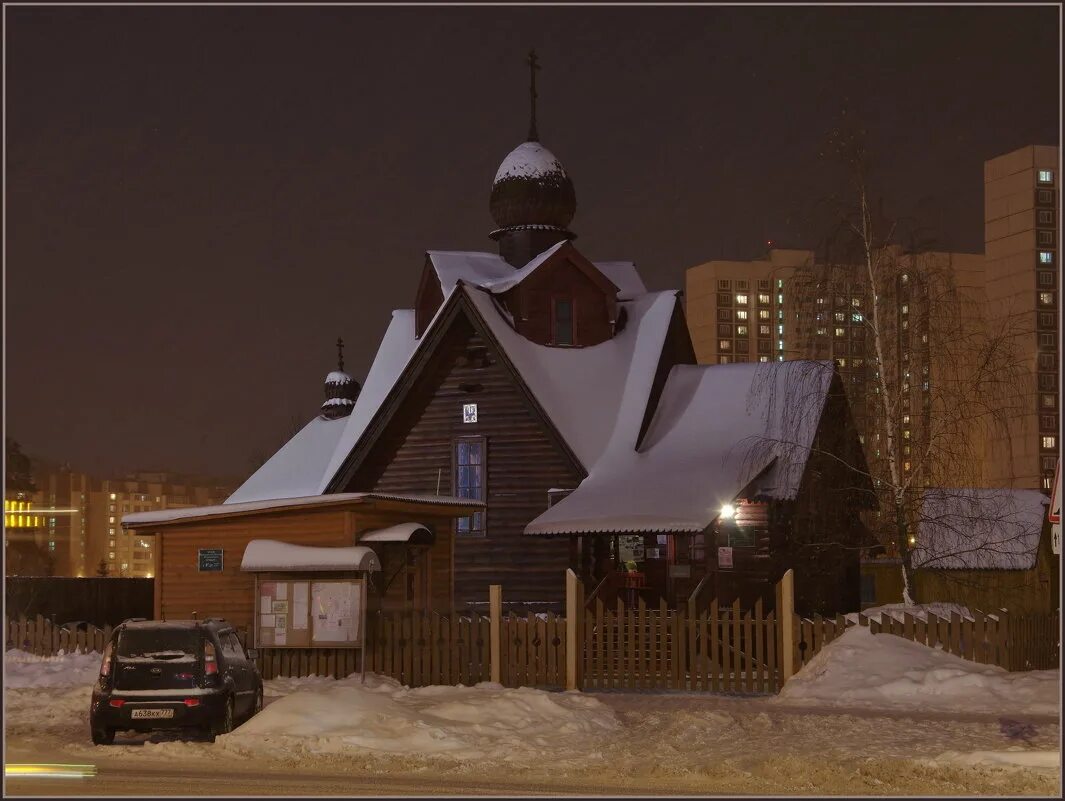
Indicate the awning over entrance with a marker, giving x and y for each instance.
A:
(412, 533)
(271, 555)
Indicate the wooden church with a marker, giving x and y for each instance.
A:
(566, 397)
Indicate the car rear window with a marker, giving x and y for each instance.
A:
(159, 643)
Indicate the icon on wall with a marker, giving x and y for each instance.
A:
(469, 412)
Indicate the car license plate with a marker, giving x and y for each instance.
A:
(152, 713)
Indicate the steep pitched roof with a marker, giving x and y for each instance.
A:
(979, 529)
(306, 463)
(489, 271)
(716, 430)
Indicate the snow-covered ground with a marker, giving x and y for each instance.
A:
(869, 715)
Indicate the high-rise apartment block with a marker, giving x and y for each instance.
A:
(72, 519)
(1022, 279)
(788, 305)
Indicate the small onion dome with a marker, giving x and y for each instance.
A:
(341, 391)
(532, 189)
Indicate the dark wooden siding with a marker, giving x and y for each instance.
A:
(531, 304)
(430, 297)
(523, 462)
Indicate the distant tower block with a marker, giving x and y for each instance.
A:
(341, 390)
(532, 200)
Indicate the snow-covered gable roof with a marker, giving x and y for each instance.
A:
(979, 529)
(489, 271)
(270, 555)
(582, 389)
(304, 465)
(715, 430)
(227, 509)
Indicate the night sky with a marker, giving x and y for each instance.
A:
(200, 200)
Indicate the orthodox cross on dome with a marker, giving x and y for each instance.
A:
(534, 65)
(340, 354)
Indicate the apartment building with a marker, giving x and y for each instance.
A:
(1021, 233)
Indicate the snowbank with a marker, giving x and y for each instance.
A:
(861, 669)
(381, 717)
(25, 670)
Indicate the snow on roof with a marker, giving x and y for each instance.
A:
(395, 351)
(981, 529)
(402, 532)
(338, 402)
(297, 468)
(581, 389)
(304, 465)
(491, 272)
(263, 555)
(715, 430)
(528, 160)
(251, 507)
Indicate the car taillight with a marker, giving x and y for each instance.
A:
(192, 702)
(210, 664)
(105, 668)
(117, 701)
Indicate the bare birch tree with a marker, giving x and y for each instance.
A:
(928, 373)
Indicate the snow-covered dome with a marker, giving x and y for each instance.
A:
(341, 390)
(532, 189)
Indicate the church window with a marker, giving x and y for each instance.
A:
(469, 481)
(562, 322)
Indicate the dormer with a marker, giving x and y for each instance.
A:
(561, 299)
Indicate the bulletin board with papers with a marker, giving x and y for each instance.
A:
(304, 613)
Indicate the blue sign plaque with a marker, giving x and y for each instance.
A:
(210, 560)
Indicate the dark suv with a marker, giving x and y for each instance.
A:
(174, 674)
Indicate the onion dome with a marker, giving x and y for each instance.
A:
(533, 200)
(341, 390)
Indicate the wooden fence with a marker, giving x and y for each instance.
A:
(41, 637)
(1013, 642)
(715, 650)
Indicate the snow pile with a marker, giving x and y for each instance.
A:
(384, 718)
(24, 670)
(941, 610)
(861, 669)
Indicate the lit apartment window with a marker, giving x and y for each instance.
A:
(111, 531)
(723, 360)
(741, 300)
(780, 283)
(1046, 298)
(724, 344)
(111, 508)
(763, 314)
(111, 519)
(111, 543)
(741, 314)
(780, 344)
(113, 496)
(856, 302)
(820, 301)
(741, 330)
(111, 555)
(763, 359)
(840, 332)
(1046, 257)
(1046, 177)
(1047, 481)
(906, 466)
(765, 331)
(1050, 443)
(857, 362)
(842, 362)
(763, 299)
(822, 332)
(841, 317)
(906, 434)
(780, 298)
(1049, 401)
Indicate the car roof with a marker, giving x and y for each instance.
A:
(213, 623)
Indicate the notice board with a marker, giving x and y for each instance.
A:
(304, 613)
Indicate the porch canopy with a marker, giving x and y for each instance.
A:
(410, 533)
(262, 556)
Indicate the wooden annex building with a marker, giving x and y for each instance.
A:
(560, 400)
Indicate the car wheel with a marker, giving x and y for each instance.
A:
(104, 736)
(258, 703)
(225, 726)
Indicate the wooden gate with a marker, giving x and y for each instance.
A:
(712, 649)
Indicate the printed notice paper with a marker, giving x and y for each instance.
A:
(299, 604)
(282, 591)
